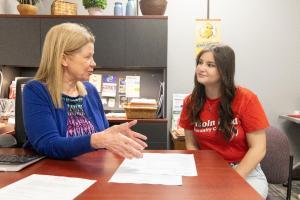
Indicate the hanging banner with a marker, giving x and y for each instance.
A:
(207, 32)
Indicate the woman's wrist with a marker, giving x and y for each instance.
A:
(97, 140)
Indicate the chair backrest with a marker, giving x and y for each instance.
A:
(276, 162)
(20, 134)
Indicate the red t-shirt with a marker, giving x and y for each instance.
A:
(249, 116)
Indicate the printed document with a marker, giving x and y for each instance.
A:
(36, 187)
(109, 85)
(132, 86)
(156, 168)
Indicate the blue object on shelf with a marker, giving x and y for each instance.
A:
(130, 8)
(118, 9)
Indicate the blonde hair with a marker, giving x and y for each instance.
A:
(65, 38)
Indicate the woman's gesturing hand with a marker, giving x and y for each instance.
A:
(132, 134)
(121, 140)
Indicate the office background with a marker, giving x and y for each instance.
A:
(264, 34)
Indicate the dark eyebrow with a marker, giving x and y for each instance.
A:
(211, 63)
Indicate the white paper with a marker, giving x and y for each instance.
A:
(176, 109)
(46, 187)
(178, 102)
(129, 177)
(175, 120)
(162, 163)
(132, 86)
(156, 168)
(111, 102)
(96, 80)
(144, 101)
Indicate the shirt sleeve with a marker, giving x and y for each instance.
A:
(184, 120)
(254, 118)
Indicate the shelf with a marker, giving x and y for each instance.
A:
(125, 46)
(84, 16)
(122, 120)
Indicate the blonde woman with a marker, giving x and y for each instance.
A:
(63, 113)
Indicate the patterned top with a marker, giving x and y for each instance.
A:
(77, 123)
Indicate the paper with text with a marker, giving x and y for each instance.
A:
(43, 187)
(129, 177)
(156, 168)
(132, 86)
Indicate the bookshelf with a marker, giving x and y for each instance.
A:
(124, 46)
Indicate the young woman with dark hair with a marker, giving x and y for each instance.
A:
(226, 118)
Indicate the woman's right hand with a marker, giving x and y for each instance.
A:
(120, 139)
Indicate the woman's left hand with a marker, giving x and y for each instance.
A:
(125, 129)
(121, 140)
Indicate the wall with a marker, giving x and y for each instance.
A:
(2, 6)
(264, 34)
(266, 39)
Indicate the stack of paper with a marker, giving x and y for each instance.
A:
(142, 103)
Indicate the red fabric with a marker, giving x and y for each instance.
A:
(249, 117)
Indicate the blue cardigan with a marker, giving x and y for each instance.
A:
(46, 126)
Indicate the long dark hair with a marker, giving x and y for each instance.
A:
(225, 60)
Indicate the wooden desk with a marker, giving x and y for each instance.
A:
(293, 119)
(215, 180)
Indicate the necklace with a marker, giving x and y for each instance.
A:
(212, 104)
(209, 107)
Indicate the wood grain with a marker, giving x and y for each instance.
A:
(215, 180)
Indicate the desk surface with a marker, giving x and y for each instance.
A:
(293, 119)
(215, 180)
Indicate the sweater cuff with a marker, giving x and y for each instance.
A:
(85, 144)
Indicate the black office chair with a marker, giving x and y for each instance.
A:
(19, 138)
(20, 134)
